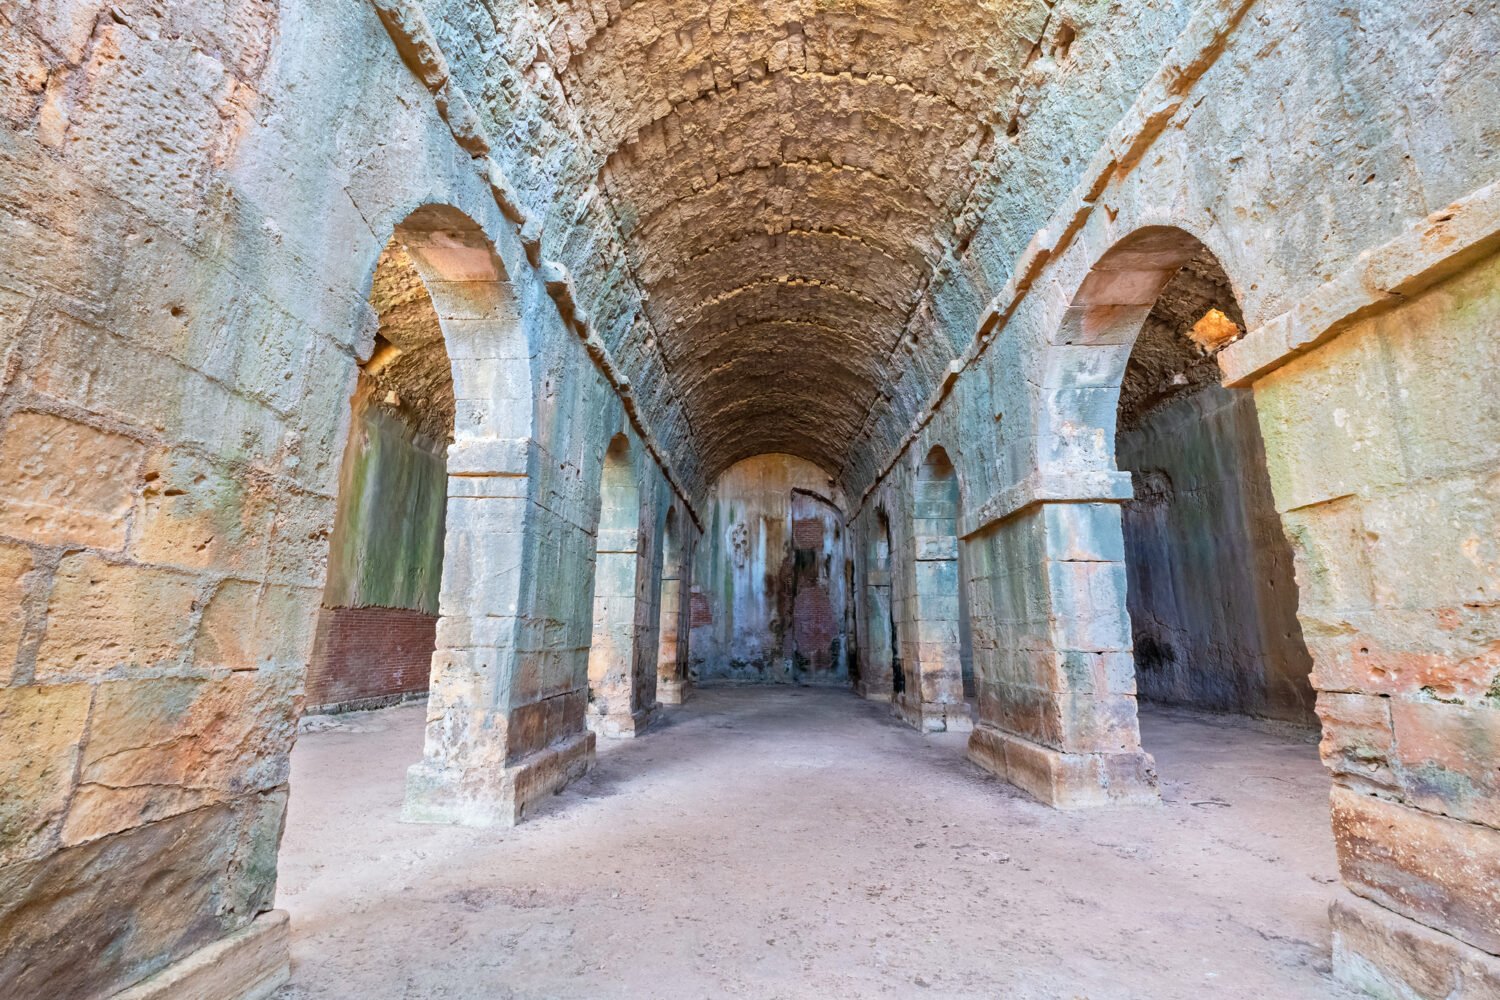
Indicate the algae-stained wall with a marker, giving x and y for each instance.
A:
(378, 625)
(387, 544)
(1212, 599)
(769, 586)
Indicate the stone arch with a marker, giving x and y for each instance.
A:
(385, 553)
(936, 655)
(1210, 589)
(615, 689)
(482, 328)
(470, 758)
(1070, 732)
(1211, 592)
(1086, 361)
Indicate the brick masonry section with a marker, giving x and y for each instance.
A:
(365, 654)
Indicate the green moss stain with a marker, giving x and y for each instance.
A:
(387, 545)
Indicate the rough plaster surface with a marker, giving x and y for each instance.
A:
(768, 576)
(800, 843)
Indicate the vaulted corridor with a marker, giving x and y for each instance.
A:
(975, 497)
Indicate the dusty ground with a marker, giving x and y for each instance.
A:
(797, 843)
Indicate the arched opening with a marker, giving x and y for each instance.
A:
(1211, 589)
(937, 658)
(814, 644)
(883, 678)
(616, 705)
(671, 658)
(377, 628)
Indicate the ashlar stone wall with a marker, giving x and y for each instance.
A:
(1368, 177)
(1398, 556)
(193, 202)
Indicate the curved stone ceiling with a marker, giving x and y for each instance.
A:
(786, 175)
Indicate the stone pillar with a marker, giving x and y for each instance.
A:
(671, 680)
(498, 736)
(1383, 446)
(878, 660)
(1056, 678)
(616, 707)
(933, 699)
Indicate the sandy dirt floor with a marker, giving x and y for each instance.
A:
(790, 843)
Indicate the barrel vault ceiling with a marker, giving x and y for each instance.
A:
(785, 175)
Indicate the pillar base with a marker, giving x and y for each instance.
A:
(1065, 780)
(674, 691)
(933, 717)
(1386, 955)
(494, 798)
(250, 964)
(621, 726)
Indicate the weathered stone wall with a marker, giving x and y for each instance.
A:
(768, 586)
(1386, 462)
(386, 549)
(194, 200)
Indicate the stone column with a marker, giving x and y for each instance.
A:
(935, 703)
(615, 709)
(933, 700)
(1053, 662)
(877, 663)
(497, 737)
(671, 684)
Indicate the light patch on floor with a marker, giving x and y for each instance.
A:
(799, 843)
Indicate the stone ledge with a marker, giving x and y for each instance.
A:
(1437, 248)
(487, 798)
(933, 717)
(1048, 487)
(1387, 955)
(250, 964)
(1065, 780)
(371, 704)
